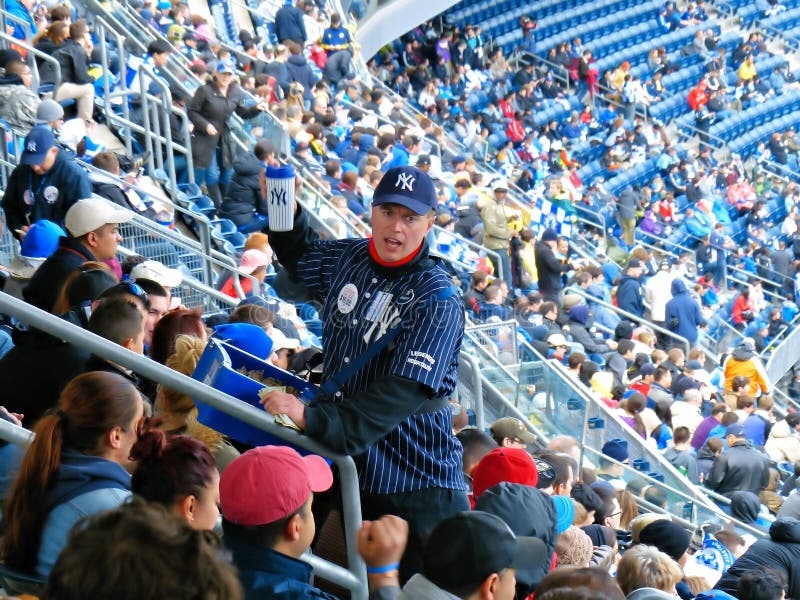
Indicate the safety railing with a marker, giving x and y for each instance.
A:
(679, 341)
(785, 356)
(6, 17)
(354, 578)
(499, 338)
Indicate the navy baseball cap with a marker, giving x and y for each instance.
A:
(407, 186)
(37, 145)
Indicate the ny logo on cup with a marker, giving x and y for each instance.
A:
(278, 196)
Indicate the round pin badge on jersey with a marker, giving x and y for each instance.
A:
(405, 297)
(348, 296)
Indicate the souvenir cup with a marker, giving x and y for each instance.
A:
(280, 197)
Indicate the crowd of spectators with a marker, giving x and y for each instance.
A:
(619, 330)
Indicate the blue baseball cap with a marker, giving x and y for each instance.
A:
(37, 145)
(246, 337)
(407, 186)
(226, 66)
(736, 429)
(41, 240)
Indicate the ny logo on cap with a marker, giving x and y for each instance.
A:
(405, 181)
(31, 146)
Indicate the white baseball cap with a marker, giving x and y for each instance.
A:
(91, 214)
(155, 271)
(281, 342)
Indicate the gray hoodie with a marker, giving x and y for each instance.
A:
(421, 588)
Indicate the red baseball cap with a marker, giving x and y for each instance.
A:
(513, 465)
(268, 483)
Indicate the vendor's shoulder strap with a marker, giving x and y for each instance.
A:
(334, 383)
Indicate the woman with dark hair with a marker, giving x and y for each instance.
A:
(76, 466)
(171, 325)
(179, 473)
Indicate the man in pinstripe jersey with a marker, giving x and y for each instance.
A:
(391, 415)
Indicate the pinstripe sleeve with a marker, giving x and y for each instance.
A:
(427, 350)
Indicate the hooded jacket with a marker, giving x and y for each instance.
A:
(420, 587)
(783, 444)
(629, 295)
(685, 459)
(740, 467)
(682, 314)
(781, 551)
(578, 318)
(243, 196)
(300, 71)
(743, 361)
(85, 485)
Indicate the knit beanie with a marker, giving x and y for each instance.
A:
(565, 512)
(669, 537)
(574, 548)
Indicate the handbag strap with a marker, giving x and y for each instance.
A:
(336, 381)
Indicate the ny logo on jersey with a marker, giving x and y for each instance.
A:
(278, 197)
(405, 181)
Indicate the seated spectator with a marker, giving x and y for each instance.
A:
(645, 571)
(783, 443)
(179, 474)
(741, 467)
(609, 471)
(45, 184)
(265, 497)
(73, 58)
(591, 582)
(762, 583)
(120, 319)
(111, 188)
(510, 432)
(491, 558)
(18, 102)
(253, 263)
(74, 467)
(779, 551)
(493, 305)
(21, 367)
(162, 558)
(681, 456)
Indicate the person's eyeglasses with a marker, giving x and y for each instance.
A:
(615, 514)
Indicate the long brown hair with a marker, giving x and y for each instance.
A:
(91, 405)
(175, 323)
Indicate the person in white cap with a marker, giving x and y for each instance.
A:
(284, 347)
(158, 272)
(92, 235)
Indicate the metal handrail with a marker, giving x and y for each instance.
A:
(686, 346)
(355, 579)
(6, 16)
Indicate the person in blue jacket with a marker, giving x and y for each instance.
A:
(75, 467)
(21, 9)
(683, 314)
(629, 289)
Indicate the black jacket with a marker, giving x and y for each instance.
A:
(741, 467)
(243, 197)
(781, 551)
(34, 372)
(581, 335)
(44, 287)
(74, 63)
(54, 192)
(208, 105)
(549, 268)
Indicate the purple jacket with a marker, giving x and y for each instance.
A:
(702, 431)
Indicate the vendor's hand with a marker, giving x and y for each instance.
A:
(211, 130)
(277, 403)
(16, 418)
(382, 542)
(263, 107)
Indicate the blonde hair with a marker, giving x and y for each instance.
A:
(177, 409)
(645, 566)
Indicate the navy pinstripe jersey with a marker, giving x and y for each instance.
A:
(359, 304)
